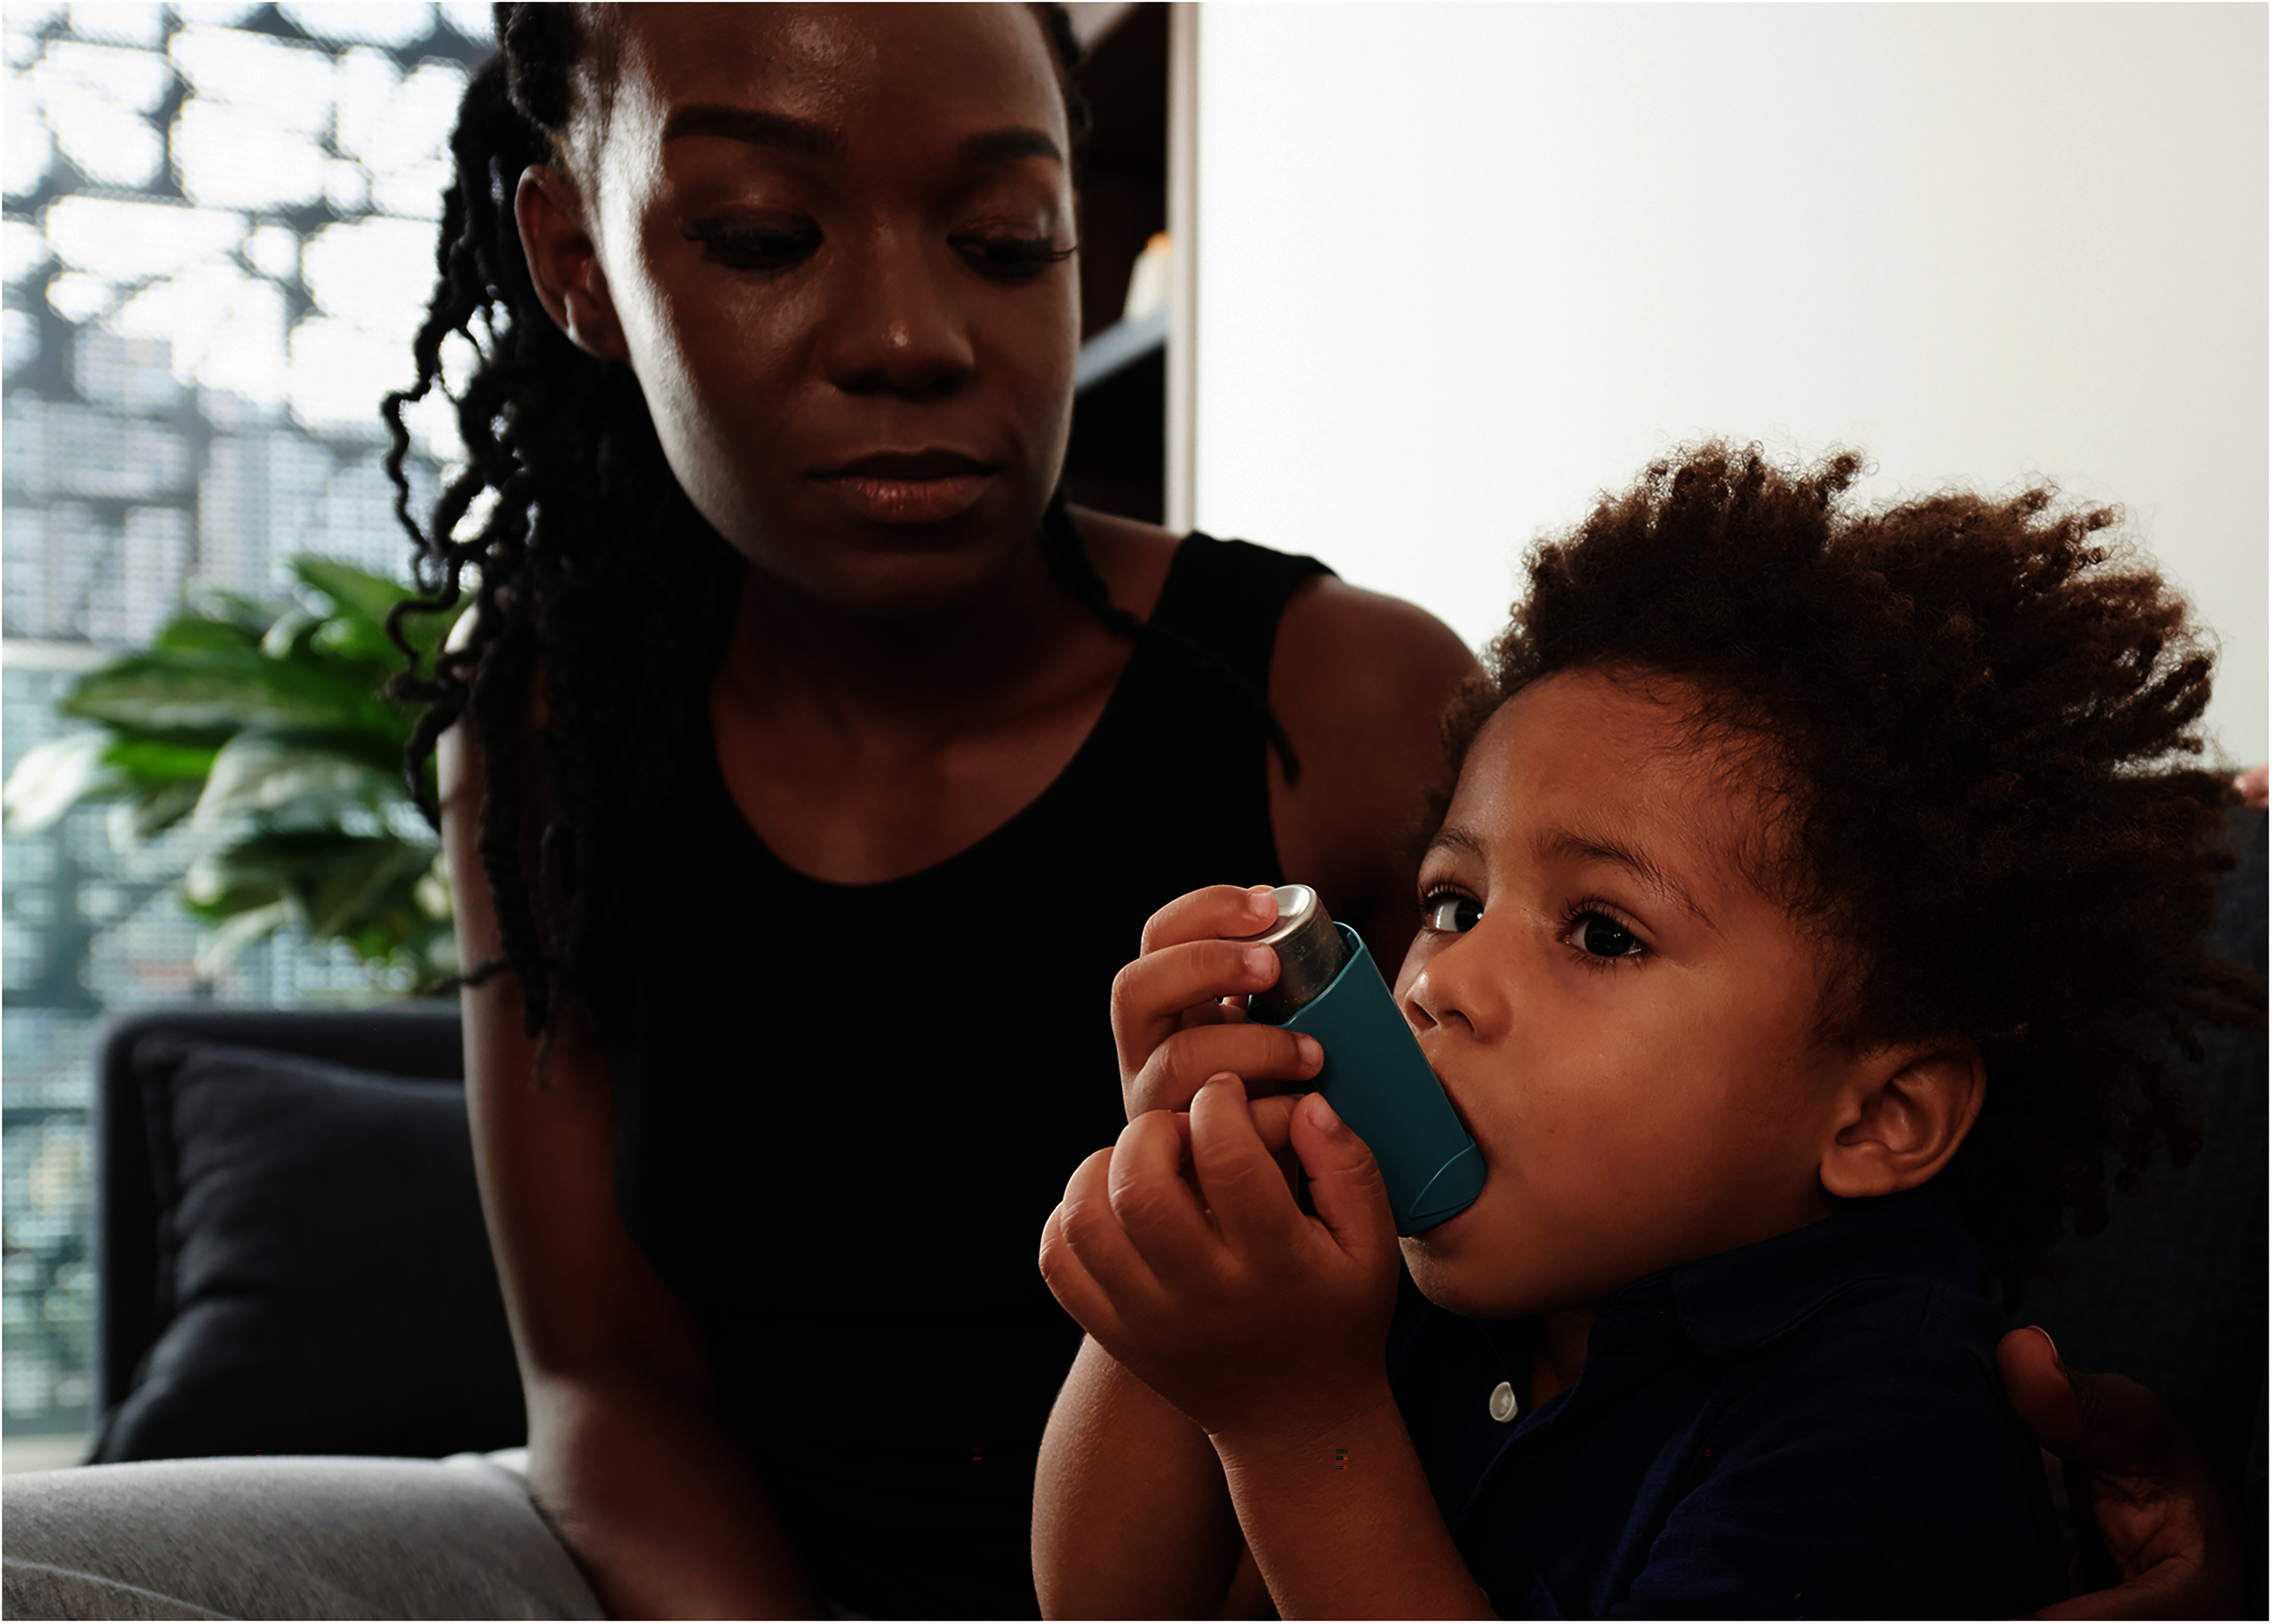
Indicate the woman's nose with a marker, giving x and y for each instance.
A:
(898, 326)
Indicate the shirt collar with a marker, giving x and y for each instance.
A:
(1758, 1293)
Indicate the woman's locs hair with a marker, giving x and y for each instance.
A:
(1973, 722)
(591, 573)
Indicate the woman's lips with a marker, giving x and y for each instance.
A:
(909, 487)
(907, 501)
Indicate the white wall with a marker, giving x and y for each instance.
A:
(1461, 267)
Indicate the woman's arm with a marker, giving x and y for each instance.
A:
(1132, 1518)
(1359, 681)
(628, 1455)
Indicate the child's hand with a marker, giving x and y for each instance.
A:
(1261, 1324)
(1173, 1030)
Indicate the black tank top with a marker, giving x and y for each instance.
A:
(843, 1112)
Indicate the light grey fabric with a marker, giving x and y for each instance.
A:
(286, 1538)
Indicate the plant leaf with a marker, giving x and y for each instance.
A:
(276, 776)
(190, 632)
(250, 615)
(361, 602)
(54, 776)
(232, 690)
(221, 946)
(151, 812)
(150, 761)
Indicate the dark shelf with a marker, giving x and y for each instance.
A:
(1118, 347)
(1117, 458)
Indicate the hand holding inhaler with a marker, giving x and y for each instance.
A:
(1317, 1013)
(1180, 1249)
(1374, 1074)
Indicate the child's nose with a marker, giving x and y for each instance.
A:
(1428, 1002)
(1455, 989)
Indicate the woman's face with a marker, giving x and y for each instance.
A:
(834, 245)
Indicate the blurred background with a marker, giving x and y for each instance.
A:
(219, 238)
(1460, 268)
(1399, 285)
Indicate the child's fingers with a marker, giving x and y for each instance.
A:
(1274, 1122)
(1211, 911)
(1272, 1116)
(1346, 1188)
(1073, 1286)
(1151, 995)
(1156, 1209)
(1255, 1052)
(1244, 1188)
(1095, 1239)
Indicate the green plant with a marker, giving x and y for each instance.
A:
(265, 727)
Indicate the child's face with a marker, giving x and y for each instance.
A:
(1624, 1020)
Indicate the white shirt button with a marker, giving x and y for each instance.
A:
(1502, 1402)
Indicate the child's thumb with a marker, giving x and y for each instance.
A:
(1346, 1187)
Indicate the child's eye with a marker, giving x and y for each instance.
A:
(1603, 937)
(1449, 911)
(1010, 259)
(750, 247)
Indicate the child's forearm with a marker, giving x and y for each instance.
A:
(1132, 1518)
(1347, 1527)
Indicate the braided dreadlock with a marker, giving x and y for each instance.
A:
(586, 559)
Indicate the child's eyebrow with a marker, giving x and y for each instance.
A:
(1451, 836)
(1567, 844)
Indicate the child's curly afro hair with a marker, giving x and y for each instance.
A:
(1976, 723)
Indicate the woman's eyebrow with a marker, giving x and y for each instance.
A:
(807, 139)
(779, 130)
(1005, 145)
(1567, 844)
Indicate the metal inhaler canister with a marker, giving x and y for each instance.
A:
(1374, 1074)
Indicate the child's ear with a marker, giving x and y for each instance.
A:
(1905, 1109)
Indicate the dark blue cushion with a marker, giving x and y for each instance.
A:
(324, 1279)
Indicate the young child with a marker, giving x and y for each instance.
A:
(1813, 890)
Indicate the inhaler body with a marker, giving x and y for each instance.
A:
(1374, 1077)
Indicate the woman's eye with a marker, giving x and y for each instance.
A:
(1450, 911)
(1010, 259)
(755, 247)
(1603, 937)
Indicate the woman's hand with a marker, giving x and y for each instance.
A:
(1178, 1011)
(1182, 1252)
(2154, 1498)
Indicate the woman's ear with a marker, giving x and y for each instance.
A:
(564, 263)
(1906, 1108)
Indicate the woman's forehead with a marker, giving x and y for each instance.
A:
(839, 66)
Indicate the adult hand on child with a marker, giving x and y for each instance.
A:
(2155, 1504)
(1259, 1323)
(1171, 1024)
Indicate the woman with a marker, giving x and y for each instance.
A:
(805, 772)
(860, 724)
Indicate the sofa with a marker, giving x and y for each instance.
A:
(293, 1259)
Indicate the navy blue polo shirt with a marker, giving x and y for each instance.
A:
(1808, 1427)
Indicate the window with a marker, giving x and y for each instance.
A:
(219, 239)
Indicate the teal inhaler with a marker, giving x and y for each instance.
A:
(1374, 1074)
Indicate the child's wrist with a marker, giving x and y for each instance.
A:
(1318, 1434)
